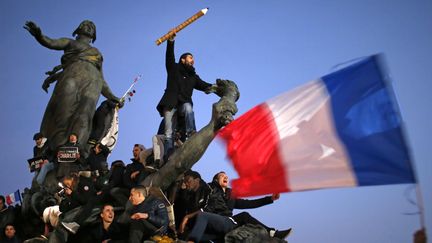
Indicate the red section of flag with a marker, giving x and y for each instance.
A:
(252, 144)
(9, 200)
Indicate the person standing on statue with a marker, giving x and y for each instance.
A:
(79, 84)
(181, 81)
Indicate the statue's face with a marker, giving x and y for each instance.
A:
(87, 28)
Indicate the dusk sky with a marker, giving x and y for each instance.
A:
(267, 48)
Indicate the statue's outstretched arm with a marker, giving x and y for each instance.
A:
(193, 149)
(55, 44)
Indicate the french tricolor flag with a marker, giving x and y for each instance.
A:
(342, 130)
(13, 198)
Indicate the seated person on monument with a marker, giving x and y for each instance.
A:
(216, 218)
(115, 186)
(97, 159)
(95, 200)
(76, 192)
(135, 171)
(107, 229)
(69, 157)
(43, 157)
(149, 215)
(189, 200)
(132, 175)
(154, 158)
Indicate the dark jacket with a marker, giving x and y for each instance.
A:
(113, 179)
(189, 201)
(116, 176)
(156, 210)
(79, 196)
(12, 240)
(102, 119)
(130, 168)
(98, 161)
(199, 199)
(222, 203)
(115, 231)
(181, 82)
(44, 151)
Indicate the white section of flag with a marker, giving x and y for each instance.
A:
(310, 149)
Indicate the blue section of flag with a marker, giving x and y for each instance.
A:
(367, 121)
(17, 196)
(13, 198)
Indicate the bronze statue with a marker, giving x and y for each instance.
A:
(79, 84)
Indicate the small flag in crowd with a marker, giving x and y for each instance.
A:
(13, 198)
(342, 130)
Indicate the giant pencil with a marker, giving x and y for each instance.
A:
(182, 26)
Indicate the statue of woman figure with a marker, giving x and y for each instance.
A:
(79, 84)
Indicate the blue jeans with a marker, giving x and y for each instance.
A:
(40, 178)
(210, 223)
(187, 111)
(170, 123)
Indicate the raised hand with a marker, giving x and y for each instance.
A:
(32, 28)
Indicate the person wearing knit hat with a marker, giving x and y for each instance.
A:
(42, 150)
(38, 136)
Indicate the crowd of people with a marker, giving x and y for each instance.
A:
(191, 210)
(202, 211)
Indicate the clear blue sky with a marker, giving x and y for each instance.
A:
(266, 47)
